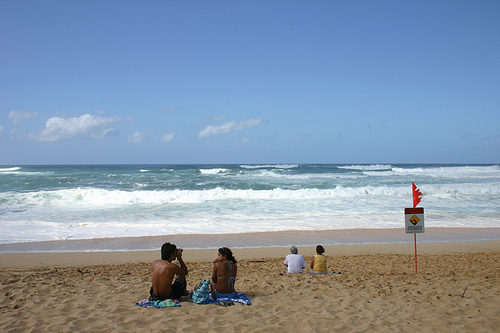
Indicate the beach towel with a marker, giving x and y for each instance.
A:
(158, 304)
(239, 298)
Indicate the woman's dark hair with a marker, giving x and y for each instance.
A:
(227, 252)
(166, 250)
(320, 249)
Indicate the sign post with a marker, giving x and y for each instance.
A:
(414, 219)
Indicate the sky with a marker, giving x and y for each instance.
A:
(190, 82)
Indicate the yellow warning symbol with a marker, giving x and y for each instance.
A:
(414, 219)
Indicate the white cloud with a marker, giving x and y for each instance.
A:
(20, 116)
(245, 140)
(168, 137)
(105, 133)
(86, 125)
(138, 137)
(228, 127)
(1, 129)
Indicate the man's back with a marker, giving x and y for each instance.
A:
(295, 263)
(162, 274)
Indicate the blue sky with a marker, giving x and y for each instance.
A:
(249, 82)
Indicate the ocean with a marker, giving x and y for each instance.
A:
(88, 202)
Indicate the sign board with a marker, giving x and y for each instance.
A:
(414, 220)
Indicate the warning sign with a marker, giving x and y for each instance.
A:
(414, 220)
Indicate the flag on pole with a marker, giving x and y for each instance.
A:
(417, 195)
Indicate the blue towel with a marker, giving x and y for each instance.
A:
(239, 297)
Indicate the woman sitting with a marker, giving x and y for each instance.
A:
(224, 274)
(318, 262)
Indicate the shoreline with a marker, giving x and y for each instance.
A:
(258, 240)
(69, 259)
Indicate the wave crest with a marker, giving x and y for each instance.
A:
(267, 166)
(10, 169)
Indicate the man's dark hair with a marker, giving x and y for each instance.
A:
(167, 250)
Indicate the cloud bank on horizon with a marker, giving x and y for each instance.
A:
(95, 127)
(267, 82)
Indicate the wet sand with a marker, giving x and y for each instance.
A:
(261, 239)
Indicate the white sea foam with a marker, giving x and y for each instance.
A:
(367, 167)
(67, 203)
(441, 172)
(276, 174)
(21, 172)
(267, 166)
(213, 171)
(101, 197)
(10, 169)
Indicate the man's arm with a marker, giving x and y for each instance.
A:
(181, 262)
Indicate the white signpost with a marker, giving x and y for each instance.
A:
(414, 220)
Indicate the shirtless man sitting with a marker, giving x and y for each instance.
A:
(163, 272)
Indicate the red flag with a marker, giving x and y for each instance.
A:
(416, 194)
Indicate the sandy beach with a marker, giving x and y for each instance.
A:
(456, 289)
